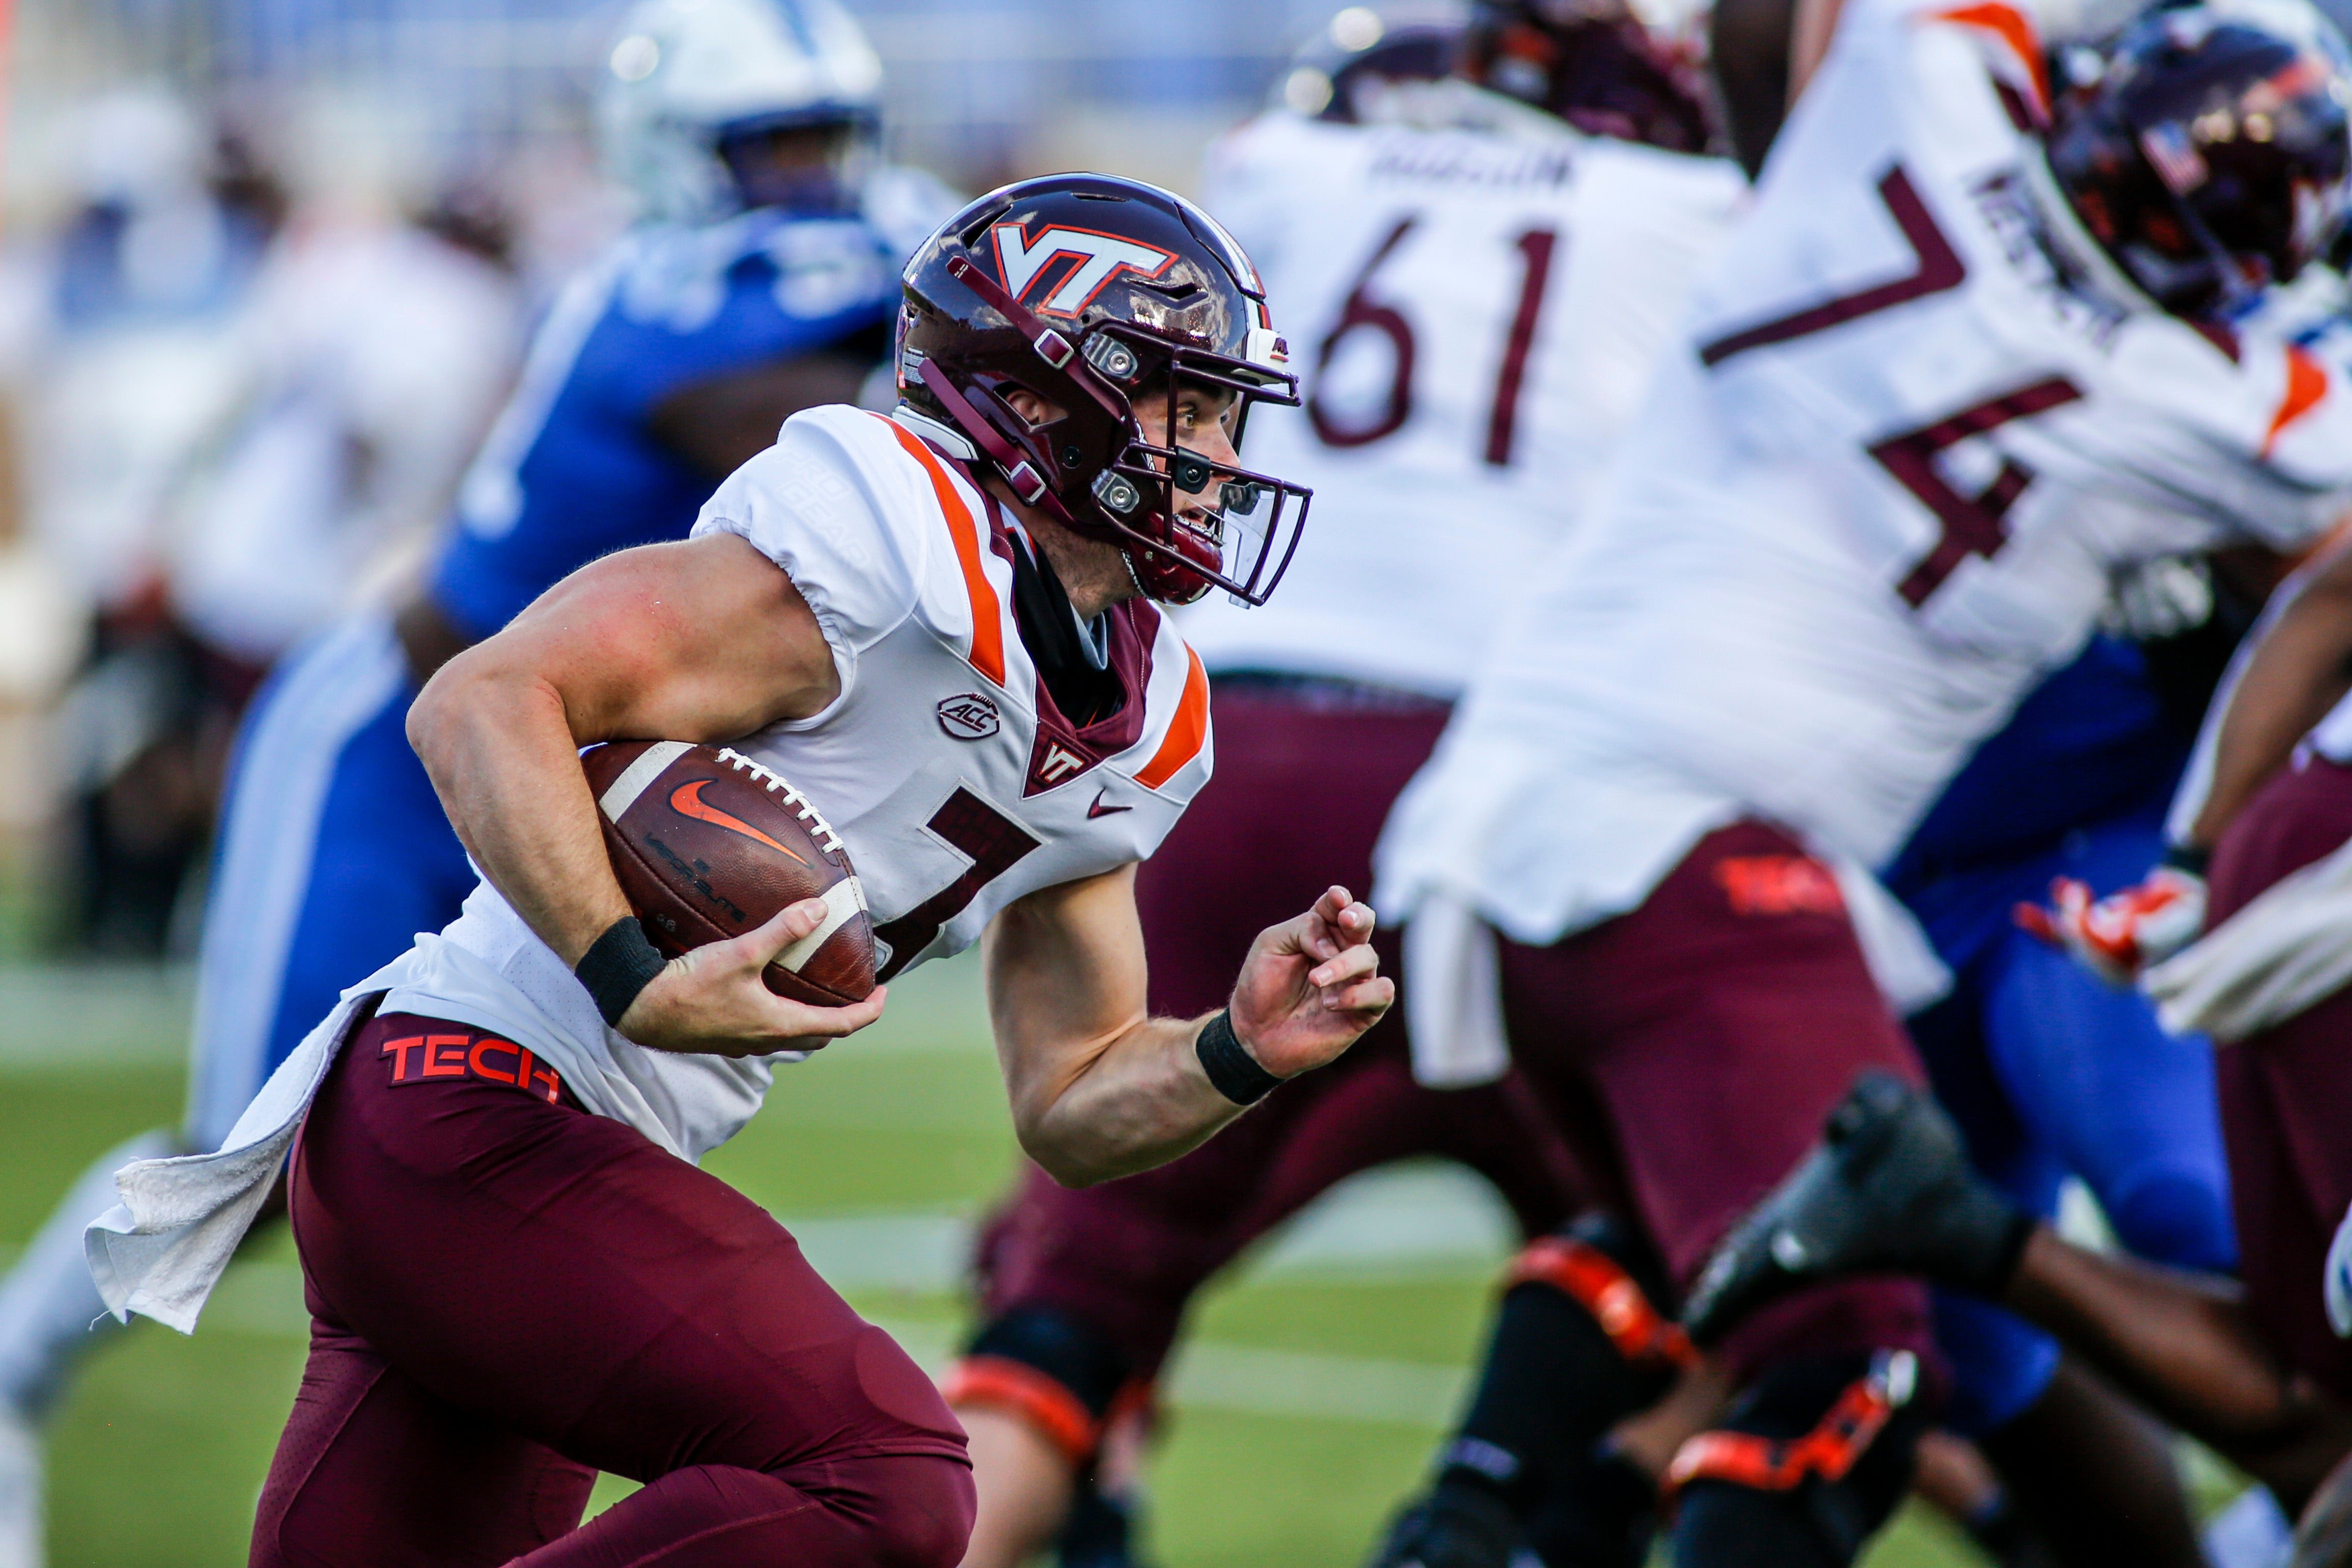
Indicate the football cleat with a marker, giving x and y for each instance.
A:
(1888, 1190)
(1453, 1527)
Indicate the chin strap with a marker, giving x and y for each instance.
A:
(1019, 472)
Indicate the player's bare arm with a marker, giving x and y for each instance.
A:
(704, 641)
(1099, 1088)
(2301, 670)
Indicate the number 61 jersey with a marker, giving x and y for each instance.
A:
(944, 763)
(1475, 300)
(1914, 423)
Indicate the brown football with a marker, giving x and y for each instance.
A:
(707, 845)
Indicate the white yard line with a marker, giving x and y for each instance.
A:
(265, 1299)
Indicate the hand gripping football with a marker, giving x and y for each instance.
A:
(707, 845)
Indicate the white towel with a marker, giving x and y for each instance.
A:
(1901, 959)
(1453, 1001)
(160, 1251)
(2289, 948)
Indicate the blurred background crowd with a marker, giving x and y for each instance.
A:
(240, 241)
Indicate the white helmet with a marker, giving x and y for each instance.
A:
(683, 75)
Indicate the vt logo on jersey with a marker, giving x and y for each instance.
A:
(1096, 259)
(687, 801)
(1057, 757)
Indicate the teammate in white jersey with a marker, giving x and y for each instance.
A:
(1963, 362)
(938, 626)
(1480, 281)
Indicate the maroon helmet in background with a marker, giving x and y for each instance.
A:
(2208, 147)
(1097, 294)
(1361, 55)
(1594, 64)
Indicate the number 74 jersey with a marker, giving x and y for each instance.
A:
(1914, 423)
(1475, 301)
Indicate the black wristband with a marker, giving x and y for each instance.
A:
(618, 965)
(2190, 857)
(1230, 1067)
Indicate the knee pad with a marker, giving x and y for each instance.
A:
(1599, 1264)
(1810, 1462)
(1050, 1370)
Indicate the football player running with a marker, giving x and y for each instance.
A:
(1485, 236)
(761, 279)
(1076, 357)
(1967, 367)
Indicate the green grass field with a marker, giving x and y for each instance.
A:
(1307, 1407)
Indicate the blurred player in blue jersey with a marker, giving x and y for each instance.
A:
(761, 279)
(2052, 1073)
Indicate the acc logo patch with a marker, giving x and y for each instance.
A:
(971, 717)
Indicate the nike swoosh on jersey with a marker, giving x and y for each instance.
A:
(1099, 809)
(687, 801)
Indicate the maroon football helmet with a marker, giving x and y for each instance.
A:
(1594, 64)
(1097, 294)
(2210, 151)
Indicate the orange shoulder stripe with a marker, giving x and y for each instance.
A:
(2306, 383)
(1187, 732)
(987, 618)
(2008, 24)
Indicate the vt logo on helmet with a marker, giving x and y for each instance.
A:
(1107, 299)
(1098, 258)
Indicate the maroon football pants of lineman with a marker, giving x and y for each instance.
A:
(509, 1294)
(2286, 1092)
(1693, 1049)
(1305, 774)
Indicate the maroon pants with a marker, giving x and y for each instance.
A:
(509, 1294)
(2286, 1092)
(1304, 780)
(1692, 1050)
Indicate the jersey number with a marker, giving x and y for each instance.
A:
(1972, 524)
(1360, 312)
(994, 842)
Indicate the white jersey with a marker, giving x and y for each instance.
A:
(1476, 307)
(1916, 422)
(953, 780)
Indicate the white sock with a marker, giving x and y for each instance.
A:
(51, 1314)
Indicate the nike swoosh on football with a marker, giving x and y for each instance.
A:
(1099, 809)
(687, 801)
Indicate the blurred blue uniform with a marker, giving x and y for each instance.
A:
(334, 852)
(2049, 1070)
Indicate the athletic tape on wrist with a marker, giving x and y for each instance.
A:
(1230, 1067)
(618, 965)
